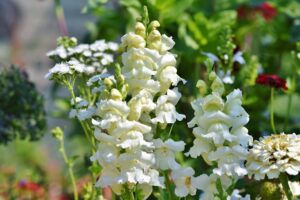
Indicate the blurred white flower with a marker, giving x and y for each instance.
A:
(185, 182)
(236, 196)
(295, 187)
(273, 155)
(58, 69)
(165, 153)
(208, 185)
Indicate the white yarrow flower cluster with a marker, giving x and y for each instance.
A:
(221, 137)
(273, 155)
(82, 59)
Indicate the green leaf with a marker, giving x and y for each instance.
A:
(281, 104)
(189, 41)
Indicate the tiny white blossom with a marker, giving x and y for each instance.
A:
(59, 69)
(236, 196)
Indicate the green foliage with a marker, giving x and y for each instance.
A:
(22, 113)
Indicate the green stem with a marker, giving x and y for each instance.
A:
(288, 112)
(70, 167)
(221, 193)
(284, 181)
(169, 186)
(85, 127)
(127, 194)
(272, 112)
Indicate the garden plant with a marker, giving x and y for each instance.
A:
(180, 100)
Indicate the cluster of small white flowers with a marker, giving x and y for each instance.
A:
(82, 59)
(127, 151)
(273, 155)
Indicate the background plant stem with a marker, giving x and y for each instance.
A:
(70, 167)
(288, 112)
(284, 181)
(272, 111)
(59, 12)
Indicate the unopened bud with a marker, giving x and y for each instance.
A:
(108, 82)
(154, 25)
(115, 94)
(201, 85)
(140, 29)
(57, 133)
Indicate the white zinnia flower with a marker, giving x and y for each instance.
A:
(273, 155)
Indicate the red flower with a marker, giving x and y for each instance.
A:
(271, 80)
(267, 10)
(249, 12)
(28, 186)
(245, 12)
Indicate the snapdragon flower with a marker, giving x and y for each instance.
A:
(185, 182)
(165, 153)
(149, 69)
(219, 130)
(208, 185)
(273, 155)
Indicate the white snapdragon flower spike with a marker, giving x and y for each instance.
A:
(185, 182)
(219, 130)
(273, 155)
(122, 147)
(127, 128)
(149, 69)
(165, 153)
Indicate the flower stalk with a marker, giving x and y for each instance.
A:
(59, 135)
(272, 111)
(284, 181)
(288, 112)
